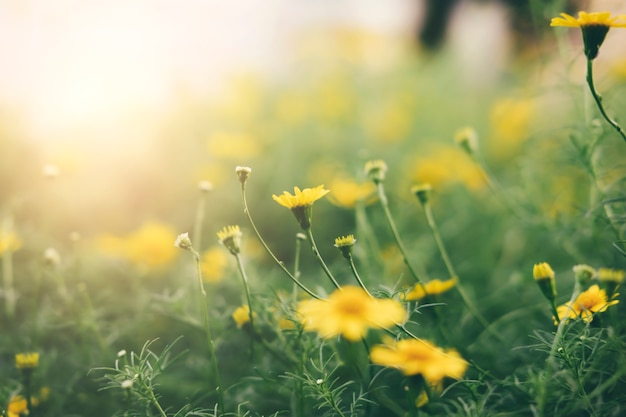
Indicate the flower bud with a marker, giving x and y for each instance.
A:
(544, 276)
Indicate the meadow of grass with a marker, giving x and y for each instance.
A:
(438, 229)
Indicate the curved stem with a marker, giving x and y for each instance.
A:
(598, 100)
(446, 259)
(207, 326)
(268, 250)
(316, 252)
(356, 274)
(384, 203)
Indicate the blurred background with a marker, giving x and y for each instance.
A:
(134, 103)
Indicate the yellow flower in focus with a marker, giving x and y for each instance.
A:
(432, 287)
(9, 242)
(301, 202)
(213, 264)
(594, 27)
(241, 315)
(349, 193)
(18, 406)
(150, 246)
(420, 357)
(594, 300)
(589, 19)
(27, 360)
(349, 311)
(301, 198)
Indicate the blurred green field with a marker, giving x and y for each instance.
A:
(93, 283)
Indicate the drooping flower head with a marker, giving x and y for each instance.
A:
(420, 357)
(349, 311)
(594, 300)
(230, 237)
(301, 202)
(594, 27)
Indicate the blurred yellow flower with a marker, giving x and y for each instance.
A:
(445, 166)
(419, 357)
(349, 311)
(241, 315)
(594, 300)
(149, 246)
(510, 125)
(233, 145)
(18, 406)
(9, 242)
(27, 360)
(389, 123)
(432, 287)
(213, 264)
(348, 193)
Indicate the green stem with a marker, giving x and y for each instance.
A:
(561, 327)
(356, 274)
(281, 264)
(207, 326)
(246, 289)
(446, 259)
(385, 204)
(316, 252)
(197, 226)
(155, 402)
(598, 100)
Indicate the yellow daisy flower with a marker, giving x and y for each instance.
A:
(594, 27)
(301, 202)
(594, 300)
(420, 357)
(349, 311)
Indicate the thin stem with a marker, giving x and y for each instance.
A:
(155, 402)
(281, 264)
(207, 326)
(446, 259)
(197, 226)
(598, 100)
(385, 204)
(561, 327)
(356, 274)
(316, 252)
(246, 289)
